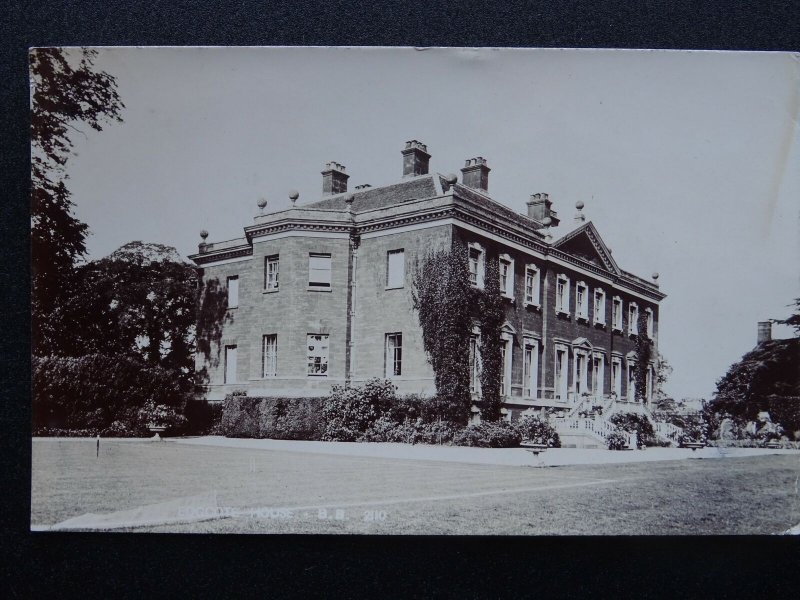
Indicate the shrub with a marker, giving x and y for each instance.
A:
(349, 412)
(640, 424)
(538, 431)
(94, 391)
(159, 415)
(489, 434)
(616, 441)
(274, 418)
(202, 417)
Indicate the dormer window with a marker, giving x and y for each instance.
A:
(599, 306)
(582, 301)
(532, 285)
(477, 265)
(562, 295)
(633, 319)
(506, 268)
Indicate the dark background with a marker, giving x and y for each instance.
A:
(205, 566)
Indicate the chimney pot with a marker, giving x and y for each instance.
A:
(539, 209)
(415, 159)
(475, 174)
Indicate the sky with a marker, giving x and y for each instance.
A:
(688, 162)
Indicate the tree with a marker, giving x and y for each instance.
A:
(793, 320)
(663, 370)
(441, 295)
(66, 92)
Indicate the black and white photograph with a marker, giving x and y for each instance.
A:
(404, 291)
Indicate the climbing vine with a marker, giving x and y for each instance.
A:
(491, 315)
(441, 293)
(644, 355)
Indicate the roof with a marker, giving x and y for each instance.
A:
(414, 188)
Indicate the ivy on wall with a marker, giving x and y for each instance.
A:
(645, 353)
(211, 310)
(490, 317)
(441, 295)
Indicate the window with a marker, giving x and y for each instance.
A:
(233, 291)
(582, 301)
(633, 319)
(598, 374)
(562, 295)
(474, 364)
(580, 373)
(319, 271)
(271, 273)
(648, 312)
(394, 354)
(230, 364)
(649, 383)
(317, 355)
(531, 369)
(506, 275)
(395, 269)
(532, 285)
(599, 306)
(616, 313)
(631, 381)
(269, 356)
(616, 376)
(505, 358)
(476, 265)
(560, 381)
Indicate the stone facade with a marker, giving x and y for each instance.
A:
(365, 245)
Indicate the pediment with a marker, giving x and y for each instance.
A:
(585, 243)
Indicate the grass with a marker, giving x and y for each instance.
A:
(757, 495)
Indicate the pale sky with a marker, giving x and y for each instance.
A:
(688, 162)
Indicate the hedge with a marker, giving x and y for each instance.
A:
(276, 418)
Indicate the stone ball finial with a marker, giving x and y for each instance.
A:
(294, 195)
(579, 205)
(451, 179)
(655, 276)
(262, 203)
(203, 234)
(547, 221)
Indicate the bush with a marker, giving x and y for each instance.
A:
(636, 423)
(538, 431)
(489, 434)
(202, 417)
(95, 391)
(348, 413)
(274, 418)
(616, 441)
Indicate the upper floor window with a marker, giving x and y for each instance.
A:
(269, 356)
(582, 300)
(271, 272)
(562, 294)
(633, 319)
(476, 265)
(649, 316)
(317, 354)
(395, 269)
(506, 267)
(394, 354)
(319, 271)
(616, 313)
(532, 285)
(233, 291)
(599, 306)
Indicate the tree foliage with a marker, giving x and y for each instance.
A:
(491, 316)
(792, 320)
(441, 296)
(66, 92)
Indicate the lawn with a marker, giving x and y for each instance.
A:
(754, 495)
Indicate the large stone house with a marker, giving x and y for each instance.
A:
(320, 293)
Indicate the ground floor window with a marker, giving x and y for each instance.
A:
(560, 382)
(394, 354)
(631, 381)
(474, 364)
(269, 356)
(505, 360)
(616, 376)
(230, 364)
(531, 369)
(598, 375)
(317, 354)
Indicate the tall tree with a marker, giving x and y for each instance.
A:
(794, 319)
(66, 92)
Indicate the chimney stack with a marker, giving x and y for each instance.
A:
(334, 179)
(475, 174)
(764, 331)
(415, 159)
(539, 209)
